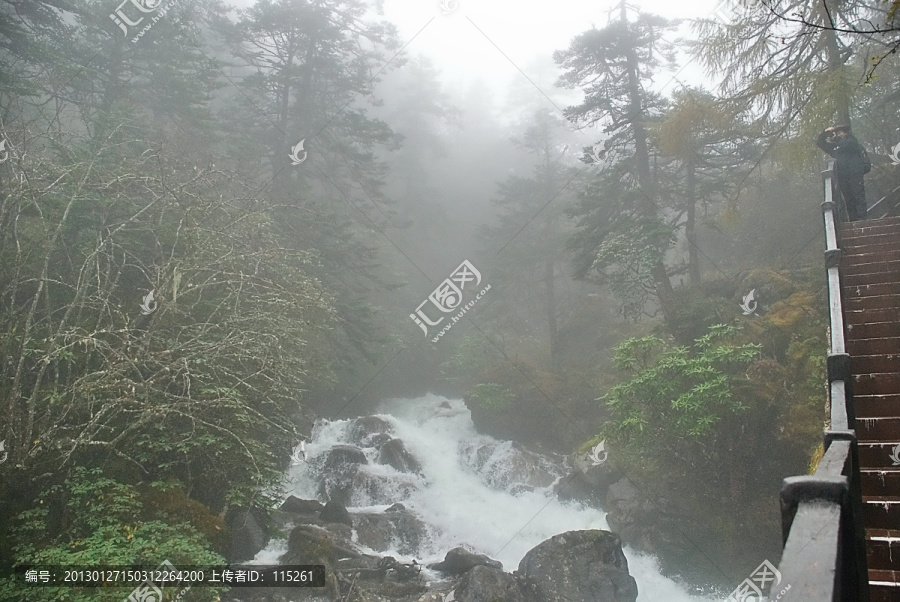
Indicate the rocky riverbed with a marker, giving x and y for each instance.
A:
(414, 505)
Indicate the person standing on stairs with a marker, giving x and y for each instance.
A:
(850, 165)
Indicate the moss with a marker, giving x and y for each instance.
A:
(492, 396)
(816, 457)
(170, 501)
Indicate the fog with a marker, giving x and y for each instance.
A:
(587, 235)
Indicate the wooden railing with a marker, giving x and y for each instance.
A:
(886, 205)
(824, 557)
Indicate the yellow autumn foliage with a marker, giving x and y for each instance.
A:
(788, 313)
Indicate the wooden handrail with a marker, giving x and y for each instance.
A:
(824, 555)
(883, 207)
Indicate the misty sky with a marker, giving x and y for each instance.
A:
(488, 39)
(521, 30)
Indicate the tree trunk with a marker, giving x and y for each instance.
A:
(551, 310)
(835, 64)
(689, 232)
(649, 210)
(549, 274)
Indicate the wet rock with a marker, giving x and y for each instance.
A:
(397, 528)
(335, 512)
(488, 583)
(339, 457)
(634, 518)
(295, 505)
(578, 565)
(510, 466)
(370, 431)
(588, 483)
(394, 453)
(339, 469)
(661, 528)
(445, 410)
(248, 535)
(507, 406)
(367, 486)
(398, 571)
(308, 544)
(459, 560)
(365, 565)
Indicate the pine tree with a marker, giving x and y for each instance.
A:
(613, 67)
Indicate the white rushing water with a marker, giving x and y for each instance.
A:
(462, 500)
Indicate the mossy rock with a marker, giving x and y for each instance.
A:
(521, 402)
(171, 502)
(308, 547)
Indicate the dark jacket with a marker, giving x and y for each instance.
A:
(847, 153)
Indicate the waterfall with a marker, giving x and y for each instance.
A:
(491, 496)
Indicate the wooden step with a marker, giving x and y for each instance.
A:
(884, 482)
(861, 316)
(887, 237)
(870, 276)
(883, 549)
(883, 239)
(881, 512)
(866, 406)
(881, 383)
(866, 364)
(873, 330)
(854, 278)
(881, 588)
(855, 257)
(886, 345)
(869, 225)
(879, 454)
(871, 290)
(870, 303)
(850, 236)
(880, 428)
(876, 267)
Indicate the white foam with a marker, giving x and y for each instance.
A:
(463, 509)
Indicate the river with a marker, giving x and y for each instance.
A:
(464, 496)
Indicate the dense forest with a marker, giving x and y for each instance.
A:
(218, 225)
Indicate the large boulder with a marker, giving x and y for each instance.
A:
(639, 521)
(459, 560)
(578, 565)
(248, 534)
(342, 457)
(295, 505)
(683, 544)
(370, 431)
(309, 544)
(368, 487)
(587, 482)
(335, 512)
(508, 465)
(395, 528)
(339, 468)
(346, 476)
(394, 453)
(484, 583)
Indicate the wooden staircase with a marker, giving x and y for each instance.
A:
(870, 267)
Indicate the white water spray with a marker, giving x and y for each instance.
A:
(465, 496)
